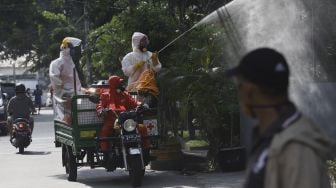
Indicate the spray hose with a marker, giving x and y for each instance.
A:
(178, 37)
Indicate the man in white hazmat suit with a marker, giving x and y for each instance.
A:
(136, 62)
(61, 72)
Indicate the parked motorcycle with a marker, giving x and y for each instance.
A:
(21, 134)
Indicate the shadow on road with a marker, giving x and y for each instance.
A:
(36, 153)
(99, 178)
(60, 176)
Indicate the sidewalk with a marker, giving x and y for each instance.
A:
(220, 180)
(194, 162)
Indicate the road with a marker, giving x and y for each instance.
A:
(40, 166)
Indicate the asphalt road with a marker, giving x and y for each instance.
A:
(40, 166)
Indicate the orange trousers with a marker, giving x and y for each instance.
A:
(108, 130)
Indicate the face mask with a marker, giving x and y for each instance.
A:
(66, 51)
(249, 109)
(120, 87)
(143, 44)
(76, 53)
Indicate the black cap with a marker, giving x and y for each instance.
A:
(264, 67)
(20, 88)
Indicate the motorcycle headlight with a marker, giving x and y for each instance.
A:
(21, 125)
(129, 125)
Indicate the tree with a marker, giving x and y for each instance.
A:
(193, 65)
(17, 27)
(112, 41)
(189, 63)
(198, 79)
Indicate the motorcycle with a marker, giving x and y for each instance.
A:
(21, 134)
(126, 145)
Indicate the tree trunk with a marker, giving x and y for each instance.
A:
(132, 5)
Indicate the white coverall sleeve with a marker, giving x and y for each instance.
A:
(127, 65)
(54, 73)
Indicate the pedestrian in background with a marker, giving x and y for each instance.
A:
(289, 150)
(28, 92)
(38, 98)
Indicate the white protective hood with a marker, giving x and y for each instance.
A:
(136, 37)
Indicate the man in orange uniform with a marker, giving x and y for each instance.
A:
(117, 100)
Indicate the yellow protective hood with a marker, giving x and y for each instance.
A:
(72, 40)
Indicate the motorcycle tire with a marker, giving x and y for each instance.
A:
(64, 158)
(70, 165)
(21, 149)
(136, 172)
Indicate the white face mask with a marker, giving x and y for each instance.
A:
(66, 51)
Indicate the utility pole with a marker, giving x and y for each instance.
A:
(14, 73)
(87, 47)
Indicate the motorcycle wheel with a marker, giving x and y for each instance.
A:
(136, 172)
(64, 158)
(21, 149)
(70, 165)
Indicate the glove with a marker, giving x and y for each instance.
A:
(154, 58)
(145, 106)
(101, 112)
(142, 107)
(138, 65)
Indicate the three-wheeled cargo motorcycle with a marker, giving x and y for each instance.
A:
(80, 140)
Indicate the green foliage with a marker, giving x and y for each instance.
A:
(192, 75)
(197, 78)
(332, 168)
(51, 30)
(17, 23)
(112, 41)
(53, 17)
(108, 46)
(27, 28)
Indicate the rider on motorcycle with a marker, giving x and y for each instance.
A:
(110, 105)
(20, 106)
(117, 100)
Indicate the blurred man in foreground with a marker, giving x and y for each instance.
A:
(289, 150)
